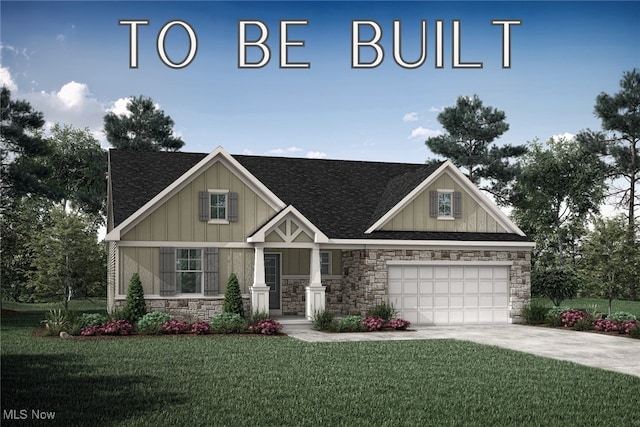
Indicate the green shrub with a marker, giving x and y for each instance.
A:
(635, 332)
(151, 323)
(323, 320)
(535, 313)
(91, 319)
(135, 307)
(556, 283)
(384, 310)
(585, 324)
(228, 323)
(233, 297)
(621, 316)
(258, 316)
(117, 314)
(554, 316)
(350, 324)
(58, 320)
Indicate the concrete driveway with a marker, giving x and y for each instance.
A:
(613, 353)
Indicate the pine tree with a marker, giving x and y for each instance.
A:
(233, 297)
(135, 306)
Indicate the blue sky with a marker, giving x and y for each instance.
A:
(71, 61)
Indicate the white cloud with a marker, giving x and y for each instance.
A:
(283, 151)
(316, 155)
(435, 109)
(7, 80)
(73, 94)
(120, 107)
(410, 117)
(60, 38)
(423, 133)
(568, 136)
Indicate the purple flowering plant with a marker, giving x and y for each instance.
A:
(175, 326)
(266, 327)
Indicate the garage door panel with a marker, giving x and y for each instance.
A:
(450, 294)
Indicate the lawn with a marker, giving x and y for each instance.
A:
(255, 380)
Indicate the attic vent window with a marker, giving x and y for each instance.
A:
(445, 204)
(218, 206)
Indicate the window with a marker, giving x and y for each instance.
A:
(218, 206)
(325, 263)
(445, 205)
(189, 271)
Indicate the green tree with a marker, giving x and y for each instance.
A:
(609, 262)
(144, 127)
(559, 187)
(233, 297)
(66, 258)
(557, 284)
(78, 170)
(619, 147)
(135, 307)
(471, 128)
(20, 147)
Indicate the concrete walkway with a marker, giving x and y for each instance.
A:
(614, 353)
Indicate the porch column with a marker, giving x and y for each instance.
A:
(259, 290)
(315, 297)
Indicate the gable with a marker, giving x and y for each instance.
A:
(289, 227)
(478, 213)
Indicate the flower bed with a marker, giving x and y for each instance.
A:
(586, 320)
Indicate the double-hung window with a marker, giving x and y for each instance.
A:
(189, 271)
(218, 205)
(325, 263)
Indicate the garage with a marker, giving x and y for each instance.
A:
(441, 294)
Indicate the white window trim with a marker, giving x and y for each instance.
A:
(226, 212)
(186, 294)
(330, 262)
(447, 217)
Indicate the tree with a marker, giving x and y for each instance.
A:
(620, 115)
(20, 147)
(135, 306)
(471, 128)
(145, 127)
(559, 187)
(233, 297)
(557, 284)
(609, 262)
(67, 259)
(78, 170)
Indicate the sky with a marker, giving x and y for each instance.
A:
(72, 61)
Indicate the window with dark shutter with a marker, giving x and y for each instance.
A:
(204, 205)
(457, 204)
(211, 271)
(167, 271)
(233, 207)
(433, 204)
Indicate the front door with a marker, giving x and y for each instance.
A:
(272, 279)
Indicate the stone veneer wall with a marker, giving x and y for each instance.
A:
(294, 294)
(203, 309)
(365, 274)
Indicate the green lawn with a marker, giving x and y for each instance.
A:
(254, 380)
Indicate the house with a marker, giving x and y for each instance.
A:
(304, 235)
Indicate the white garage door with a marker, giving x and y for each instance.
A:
(450, 294)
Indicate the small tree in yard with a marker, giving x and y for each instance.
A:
(556, 283)
(135, 306)
(233, 297)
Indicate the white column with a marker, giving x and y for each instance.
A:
(259, 290)
(315, 296)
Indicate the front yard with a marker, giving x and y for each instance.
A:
(255, 380)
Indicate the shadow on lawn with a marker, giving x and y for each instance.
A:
(64, 385)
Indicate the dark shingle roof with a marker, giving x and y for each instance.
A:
(342, 198)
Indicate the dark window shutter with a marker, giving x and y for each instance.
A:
(204, 205)
(433, 204)
(457, 204)
(233, 207)
(167, 271)
(211, 271)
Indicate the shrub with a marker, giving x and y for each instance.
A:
(323, 320)
(584, 324)
(374, 323)
(384, 310)
(570, 317)
(151, 323)
(553, 316)
(620, 316)
(399, 324)
(58, 320)
(175, 326)
(621, 327)
(113, 327)
(556, 283)
(350, 324)
(200, 327)
(91, 319)
(266, 327)
(228, 323)
(535, 313)
(233, 297)
(635, 332)
(135, 307)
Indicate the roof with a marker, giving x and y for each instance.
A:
(341, 198)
